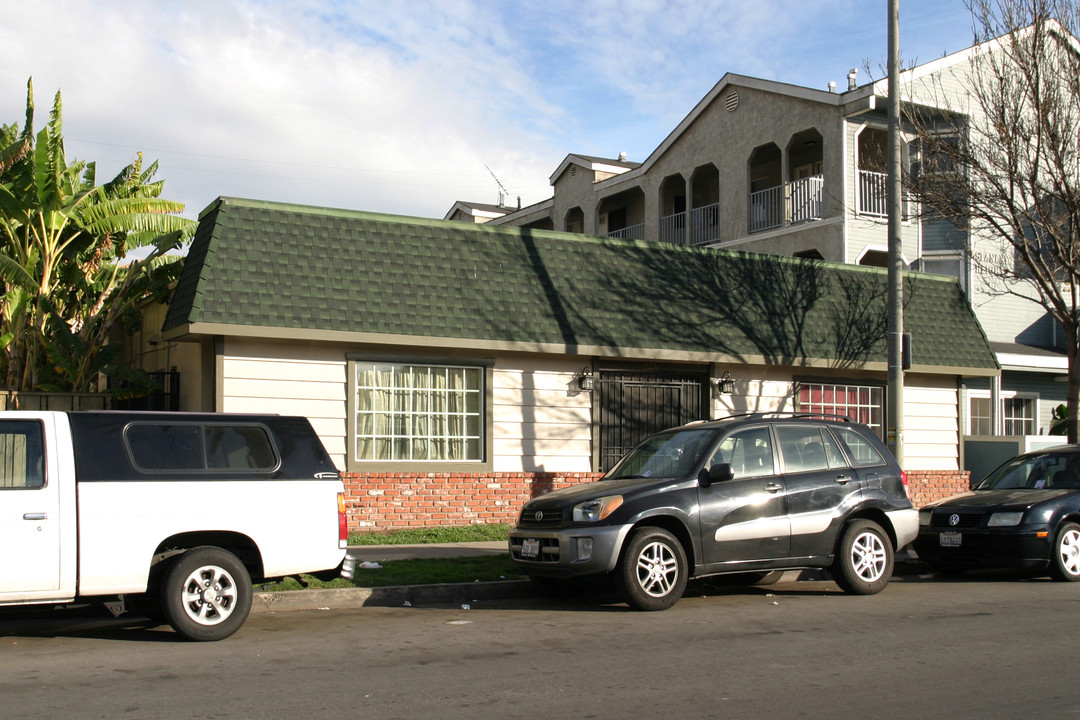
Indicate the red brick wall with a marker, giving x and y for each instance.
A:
(926, 486)
(393, 501)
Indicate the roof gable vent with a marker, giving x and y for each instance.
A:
(731, 100)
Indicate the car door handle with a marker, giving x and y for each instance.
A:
(844, 479)
(773, 487)
(33, 516)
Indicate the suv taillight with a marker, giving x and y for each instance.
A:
(903, 479)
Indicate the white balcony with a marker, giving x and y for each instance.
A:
(872, 193)
(794, 202)
(673, 229)
(705, 224)
(631, 232)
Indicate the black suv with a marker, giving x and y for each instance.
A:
(746, 494)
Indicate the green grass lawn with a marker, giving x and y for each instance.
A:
(418, 536)
(415, 572)
(420, 571)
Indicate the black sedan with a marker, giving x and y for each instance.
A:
(1024, 516)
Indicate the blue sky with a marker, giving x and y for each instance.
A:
(401, 106)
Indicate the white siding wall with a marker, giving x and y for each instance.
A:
(931, 423)
(766, 391)
(289, 380)
(542, 423)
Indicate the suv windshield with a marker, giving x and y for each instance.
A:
(668, 454)
(1050, 470)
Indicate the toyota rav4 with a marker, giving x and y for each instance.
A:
(747, 494)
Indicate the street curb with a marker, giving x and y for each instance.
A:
(461, 593)
(390, 596)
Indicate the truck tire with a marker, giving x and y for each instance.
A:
(206, 594)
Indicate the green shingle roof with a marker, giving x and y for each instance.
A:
(282, 268)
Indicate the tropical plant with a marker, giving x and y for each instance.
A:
(66, 267)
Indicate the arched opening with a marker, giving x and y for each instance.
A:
(875, 258)
(673, 210)
(575, 220)
(705, 204)
(623, 215)
(766, 188)
(807, 182)
(872, 156)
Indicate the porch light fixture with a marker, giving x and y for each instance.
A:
(726, 384)
(585, 379)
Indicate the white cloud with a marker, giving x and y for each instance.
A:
(398, 106)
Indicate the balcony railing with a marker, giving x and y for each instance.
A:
(673, 229)
(795, 202)
(873, 193)
(805, 196)
(705, 224)
(873, 196)
(767, 209)
(631, 232)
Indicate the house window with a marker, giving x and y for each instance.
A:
(862, 403)
(407, 412)
(1018, 413)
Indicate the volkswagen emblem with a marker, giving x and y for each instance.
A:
(538, 516)
(954, 519)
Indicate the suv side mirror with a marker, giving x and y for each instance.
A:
(719, 472)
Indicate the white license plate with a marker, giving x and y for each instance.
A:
(950, 539)
(530, 548)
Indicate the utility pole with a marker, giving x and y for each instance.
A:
(895, 299)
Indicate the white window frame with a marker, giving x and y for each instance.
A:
(400, 418)
(947, 257)
(871, 413)
(1005, 395)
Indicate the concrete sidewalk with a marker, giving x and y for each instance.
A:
(907, 564)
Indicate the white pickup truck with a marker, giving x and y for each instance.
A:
(176, 513)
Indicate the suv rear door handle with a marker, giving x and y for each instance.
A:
(773, 487)
(33, 516)
(844, 479)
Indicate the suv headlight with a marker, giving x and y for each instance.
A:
(1005, 519)
(598, 509)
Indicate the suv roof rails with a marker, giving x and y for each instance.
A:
(788, 414)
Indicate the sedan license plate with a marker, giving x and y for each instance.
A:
(950, 539)
(530, 548)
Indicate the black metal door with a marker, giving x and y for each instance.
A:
(634, 404)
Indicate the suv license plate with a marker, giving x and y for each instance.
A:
(530, 548)
(950, 539)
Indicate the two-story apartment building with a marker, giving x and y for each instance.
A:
(769, 167)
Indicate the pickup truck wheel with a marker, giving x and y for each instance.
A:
(652, 569)
(864, 561)
(206, 595)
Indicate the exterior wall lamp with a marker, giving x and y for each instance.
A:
(585, 379)
(726, 384)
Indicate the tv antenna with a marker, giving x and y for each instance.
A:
(504, 194)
